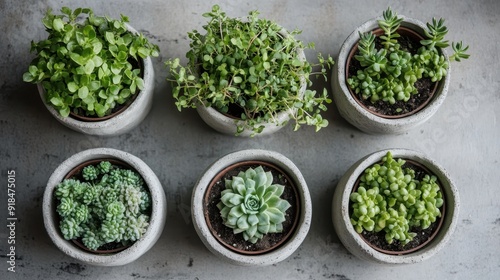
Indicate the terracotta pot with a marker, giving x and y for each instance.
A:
(354, 241)
(139, 247)
(120, 122)
(357, 114)
(287, 232)
(276, 255)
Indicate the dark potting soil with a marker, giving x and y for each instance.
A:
(377, 239)
(424, 85)
(236, 240)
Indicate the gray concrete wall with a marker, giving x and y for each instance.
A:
(463, 136)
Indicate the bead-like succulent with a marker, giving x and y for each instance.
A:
(110, 204)
(251, 204)
(389, 198)
(389, 74)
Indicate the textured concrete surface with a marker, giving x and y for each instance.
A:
(463, 137)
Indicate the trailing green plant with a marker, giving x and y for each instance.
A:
(251, 69)
(106, 204)
(88, 66)
(251, 204)
(389, 73)
(390, 198)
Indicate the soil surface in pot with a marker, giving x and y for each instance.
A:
(424, 85)
(377, 239)
(236, 241)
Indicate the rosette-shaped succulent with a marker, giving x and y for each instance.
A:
(251, 204)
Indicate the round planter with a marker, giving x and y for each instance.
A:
(228, 125)
(123, 122)
(354, 242)
(138, 248)
(356, 114)
(268, 258)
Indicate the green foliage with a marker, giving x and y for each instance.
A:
(389, 198)
(389, 74)
(88, 65)
(251, 204)
(250, 64)
(109, 204)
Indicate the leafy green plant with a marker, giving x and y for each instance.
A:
(389, 73)
(108, 204)
(390, 198)
(250, 69)
(251, 204)
(88, 66)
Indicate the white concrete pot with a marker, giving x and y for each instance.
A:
(353, 241)
(137, 249)
(121, 123)
(228, 125)
(360, 117)
(271, 257)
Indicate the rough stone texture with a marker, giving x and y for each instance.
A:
(274, 256)
(356, 114)
(462, 136)
(353, 241)
(140, 247)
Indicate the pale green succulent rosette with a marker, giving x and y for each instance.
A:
(251, 204)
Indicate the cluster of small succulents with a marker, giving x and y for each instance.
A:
(108, 204)
(389, 74)
(390, 198)
(251, 204)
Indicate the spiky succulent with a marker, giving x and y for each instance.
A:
(251, 204)
(109, 204)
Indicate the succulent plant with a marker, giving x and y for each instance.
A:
(389, 74)
(390, 198)
(251, 204)
(109, 204)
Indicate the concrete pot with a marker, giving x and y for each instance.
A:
(354, 242)
(268, 258)
(228, 125)
(124, 121)
(360, 117)
(137, 249)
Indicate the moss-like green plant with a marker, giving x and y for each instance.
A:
(389, 198)
(109, 204)
(86, 66)
(251, 204)
(249, 66)
(389, 74)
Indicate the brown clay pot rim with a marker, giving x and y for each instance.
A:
(439, 220)
(249, 163)
(378, 31)
(76, 170)
(121, 110)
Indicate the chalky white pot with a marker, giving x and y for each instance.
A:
(138, 248)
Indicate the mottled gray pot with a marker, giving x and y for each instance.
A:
(271, 257)
(141, 246)
(123, 122)
(360, 117)
(353, 241)
(228, 125)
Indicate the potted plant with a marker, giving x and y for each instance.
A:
(252, 208)
(393, 73)
(104, 207)
(395, 206)
(94, 74)
(248, 76)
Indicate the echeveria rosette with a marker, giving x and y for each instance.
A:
(390, 198)
(251, 204)
(110, 204)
